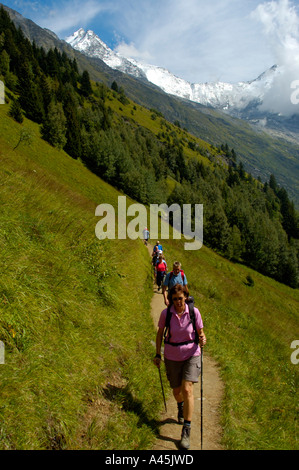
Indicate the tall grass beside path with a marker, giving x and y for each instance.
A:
(74, 311)
(249, 331)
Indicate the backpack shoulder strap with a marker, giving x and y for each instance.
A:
(190, 302)
(182, 274)
(192, 317)
(167, 323)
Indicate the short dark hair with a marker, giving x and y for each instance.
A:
(177, 289)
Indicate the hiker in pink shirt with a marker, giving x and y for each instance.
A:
(183, 342)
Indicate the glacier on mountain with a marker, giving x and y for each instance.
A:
(90, 44)
(232, 98)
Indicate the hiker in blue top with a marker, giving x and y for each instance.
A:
(146, 235)
(176, 276)
(156, 251)
(158, 247)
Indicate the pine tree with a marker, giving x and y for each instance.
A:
(241, 171)
(234, 250)
(54, 126)
(290, 220)
(46, 91)
(30, 94)
(4, 63)
(73, 131)
(273, 183)
(86, 89)
(15, 111)
(52, 64)
(114, 86)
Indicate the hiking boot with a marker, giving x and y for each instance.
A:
(185, 437)
(181, 413)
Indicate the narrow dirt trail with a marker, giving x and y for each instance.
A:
(170, 430)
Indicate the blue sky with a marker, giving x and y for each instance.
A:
(221, 40)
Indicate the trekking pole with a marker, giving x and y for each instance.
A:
(201, 396)
(162, 389)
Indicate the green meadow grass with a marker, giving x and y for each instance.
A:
(74, 310)
(249, 332)
(75, 319)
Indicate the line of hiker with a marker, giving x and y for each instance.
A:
(181, 327)
(159, 263)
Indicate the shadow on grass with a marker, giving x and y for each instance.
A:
(122, 396)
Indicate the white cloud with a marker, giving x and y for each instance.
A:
(130, 50)
(281, 28)
(68, 15)
(222, 40)
(31, 5)
(195, 39)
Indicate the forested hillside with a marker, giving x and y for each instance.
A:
(140, 153)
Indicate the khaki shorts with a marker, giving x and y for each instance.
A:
(177, 371)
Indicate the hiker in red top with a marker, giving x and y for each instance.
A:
(160, 270)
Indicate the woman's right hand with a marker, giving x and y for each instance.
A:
(157, 362)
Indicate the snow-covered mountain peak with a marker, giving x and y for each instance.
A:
(225, 96)
(89, 43)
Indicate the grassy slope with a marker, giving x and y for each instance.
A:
(74, 311)
(261, 153)
(75, 378)
(250, 331)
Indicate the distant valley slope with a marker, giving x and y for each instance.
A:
(261, 153)
(242, 100)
